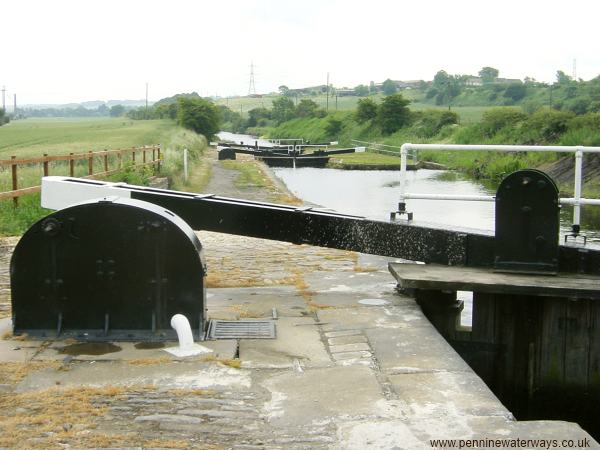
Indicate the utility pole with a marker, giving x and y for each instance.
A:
(574, 69)
(146, 111)
(15, 106)
(327, 100)
(3, 101)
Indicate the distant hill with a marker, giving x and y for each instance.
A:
(92, 104)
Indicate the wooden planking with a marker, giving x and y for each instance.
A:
(483, 331)
(551, 364)
(577, 341)
(456, 278)
(594, 355)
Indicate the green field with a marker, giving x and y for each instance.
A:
(468, 114)
(34, 137)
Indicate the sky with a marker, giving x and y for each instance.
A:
(63, 51)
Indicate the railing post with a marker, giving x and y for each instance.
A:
(403, 154)
(15, 182)
(576, 227)
(133, 155)
(90, 163)
(46, 168)
(71, 166)
(144, 155)
(120, 157)
(105, 160)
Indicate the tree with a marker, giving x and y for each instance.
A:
(393, 113)
(199, 115)
(445, 86)
(306, 108)
(103, 110)
(488, 74)
(3, 117)
(562, 78)
(389, 87)
(361, 90)
(284, 90)
(117, 110)
(365, 110)
(254, 115)
(515, 91)
(440, 79)
(166, 110)
(283, 109)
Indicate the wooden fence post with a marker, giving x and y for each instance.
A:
(15, 184)
(46, 168)
(158, 165)
(133, 155)
(71, 166)
(90, 163)
(120, 156)
(144, 155)
(105, 161)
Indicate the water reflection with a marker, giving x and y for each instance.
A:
(242, 138)
(374, 193)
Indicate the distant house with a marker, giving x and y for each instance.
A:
(345, 92)
(409, 84)
(473, 81)
(508, 80)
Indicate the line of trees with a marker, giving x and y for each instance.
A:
(3, 117)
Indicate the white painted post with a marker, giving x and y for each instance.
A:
(577, 194)
(185, 164)
(403, 153)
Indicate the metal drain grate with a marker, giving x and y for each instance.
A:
(240, 329)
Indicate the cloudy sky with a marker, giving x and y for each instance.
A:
(68, 51)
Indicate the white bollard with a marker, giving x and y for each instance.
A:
(181, 325)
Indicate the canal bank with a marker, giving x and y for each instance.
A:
(354, 365)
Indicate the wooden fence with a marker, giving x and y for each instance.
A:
(150, 155)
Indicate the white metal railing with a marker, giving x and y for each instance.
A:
(381, 148)
(577, 201)
(280, 141)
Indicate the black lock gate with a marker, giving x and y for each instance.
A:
(117, 268)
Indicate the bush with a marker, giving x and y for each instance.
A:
(577, 105)
(199, 115)
(546, 126)
(283, 110)
(515, 91)
(429, 123)
(498, 118)
(366, 110)
(333, 127)
(393, 113)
